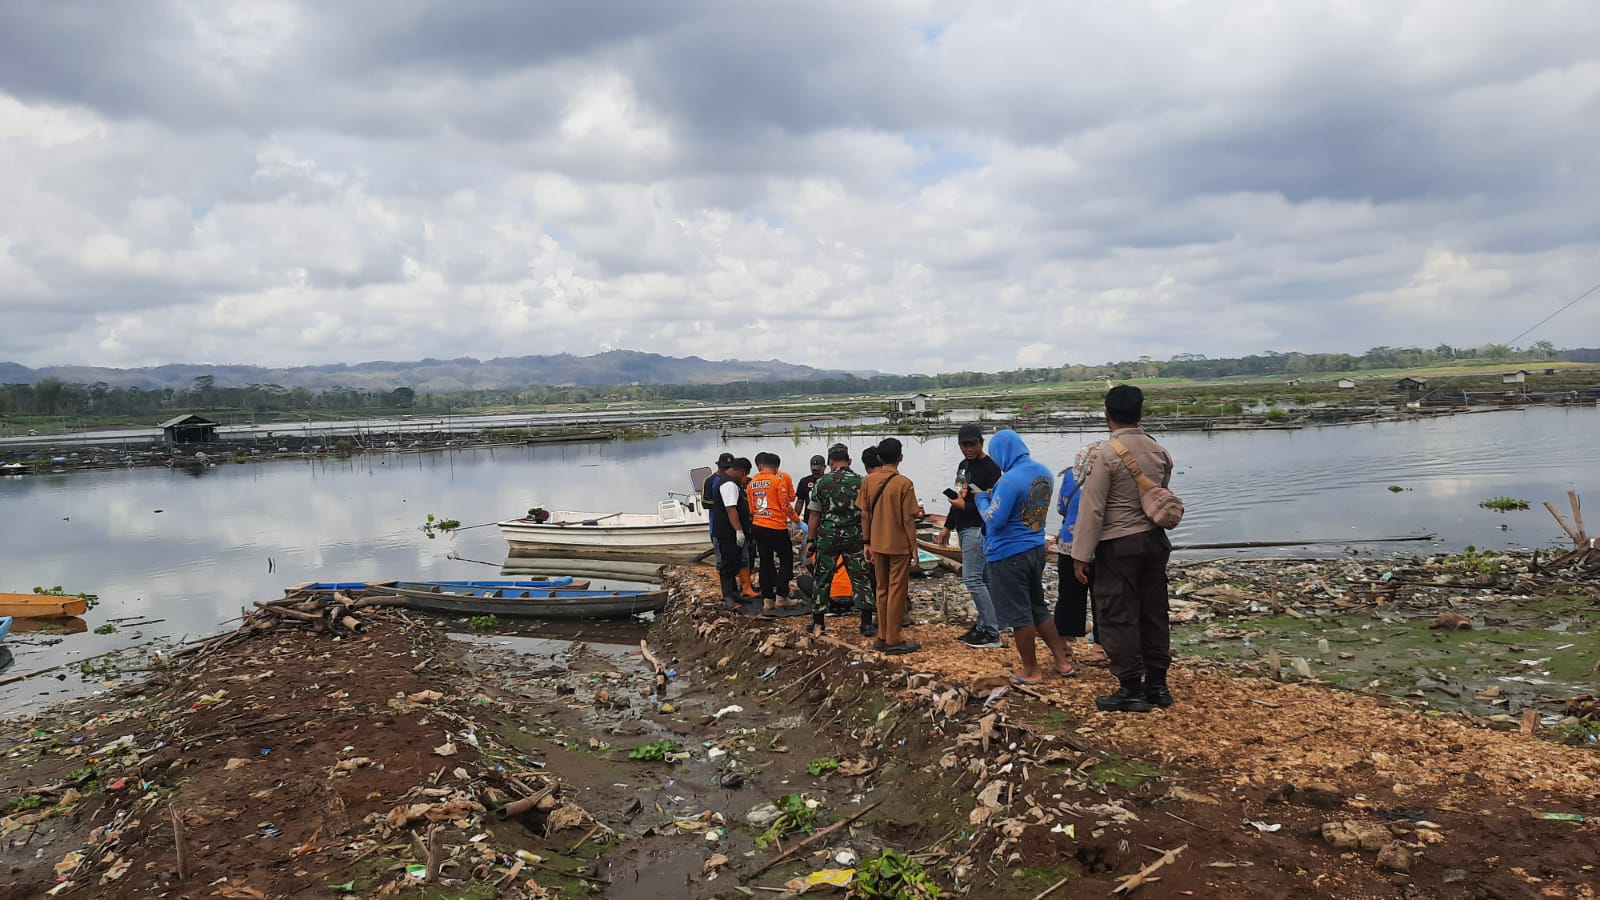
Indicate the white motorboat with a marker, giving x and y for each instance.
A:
(677, 529)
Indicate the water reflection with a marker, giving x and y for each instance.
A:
(243, 532)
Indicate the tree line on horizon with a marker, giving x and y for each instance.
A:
(53, 397)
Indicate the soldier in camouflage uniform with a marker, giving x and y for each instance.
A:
(835, 526)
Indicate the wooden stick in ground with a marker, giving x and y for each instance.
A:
(435, 857)
(1577, 517)
(181, 847)
(1143, 875)
(1562, 521)
(813, 839)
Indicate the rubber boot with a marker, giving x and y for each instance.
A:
(1129, 697)
(748, 590)
(1155, 689)
(819, 624)
(868, 629)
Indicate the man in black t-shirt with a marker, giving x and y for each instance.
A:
(802, 491)
(975, 472)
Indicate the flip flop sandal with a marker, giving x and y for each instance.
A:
(1026, 682)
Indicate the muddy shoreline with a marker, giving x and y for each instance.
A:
(294, 762)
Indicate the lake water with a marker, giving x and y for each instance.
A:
(233, 534)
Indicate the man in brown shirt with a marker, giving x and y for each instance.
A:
(888, 503)
(1129, 553)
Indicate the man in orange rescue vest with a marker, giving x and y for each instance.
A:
(771, 495)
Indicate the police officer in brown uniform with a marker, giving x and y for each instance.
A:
(1129, 553)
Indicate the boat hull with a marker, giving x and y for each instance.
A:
(682, 541)
(678, 529)
(553, 604)
(28, 606)
(5, 627)
(612, 566)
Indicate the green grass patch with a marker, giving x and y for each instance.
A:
(1123, 772)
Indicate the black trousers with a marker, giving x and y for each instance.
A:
(1130, 603)
(776, 552)
(730, 559)
(1072, 601)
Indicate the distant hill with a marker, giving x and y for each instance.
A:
(434, 375)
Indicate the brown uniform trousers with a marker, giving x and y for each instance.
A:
(893, 571)
(1130, 603)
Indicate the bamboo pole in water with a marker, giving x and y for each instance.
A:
(1251, 545)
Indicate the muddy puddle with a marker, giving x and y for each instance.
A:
(578, 708)
(1489, 659)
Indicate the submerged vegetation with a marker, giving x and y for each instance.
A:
(91, 600)
(433, 527)
(1504, 504)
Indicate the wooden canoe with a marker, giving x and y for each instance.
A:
(29, 606)
(528, 604)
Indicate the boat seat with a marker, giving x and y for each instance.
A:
(671, 512)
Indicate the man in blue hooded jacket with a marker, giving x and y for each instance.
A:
(1013, 513)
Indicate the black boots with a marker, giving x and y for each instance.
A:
(1129, 697)
(730, 589)
(819, 623)
(1155, 690)
(868, 629)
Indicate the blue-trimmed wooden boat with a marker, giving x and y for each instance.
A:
(523, 602)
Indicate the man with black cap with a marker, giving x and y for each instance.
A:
(976, 472)
(708, 499)
(802, 491)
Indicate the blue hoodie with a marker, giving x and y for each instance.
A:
(1014, 510)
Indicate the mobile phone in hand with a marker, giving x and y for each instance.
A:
(951, 493)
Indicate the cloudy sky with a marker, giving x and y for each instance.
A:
(905, 185)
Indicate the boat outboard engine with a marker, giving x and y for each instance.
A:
(539, 515)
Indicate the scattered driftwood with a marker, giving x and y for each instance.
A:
(543, 800)
(1584, 553)
(1143, 875)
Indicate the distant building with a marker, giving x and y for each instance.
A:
(914, 405)
(189, 429)
(1412, 384)
(1346, 384)
(1293, 382)
(1518, 377)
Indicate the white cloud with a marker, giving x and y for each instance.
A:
(905, 186)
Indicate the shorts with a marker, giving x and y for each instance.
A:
(1016, 585)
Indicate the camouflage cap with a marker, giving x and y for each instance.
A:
(839, 452)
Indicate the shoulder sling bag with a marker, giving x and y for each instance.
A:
(1160, 505)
